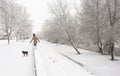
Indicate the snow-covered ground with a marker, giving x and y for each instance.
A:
(50, 61)
(12, 62)
(98, 65)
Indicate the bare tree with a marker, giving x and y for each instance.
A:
(14, 18)
(6, 18)
(100, 20)
(23, 26)
(93, 21)
(113, 10)
(63, 20)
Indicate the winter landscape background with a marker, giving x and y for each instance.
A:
(76, 37)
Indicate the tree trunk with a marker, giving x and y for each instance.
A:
(8, 40)
(75, 47)
(112, 44)
(72, 43)
(112, 51)
(99, 44)
(101, 50)
(112, 55)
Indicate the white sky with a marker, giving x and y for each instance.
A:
(39, 11)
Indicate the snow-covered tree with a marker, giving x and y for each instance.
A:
(23, 26)
(113, 18)
(93, 21)
(14, 17)
(99, 21)
(61, 24)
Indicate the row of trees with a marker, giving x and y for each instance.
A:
(101, 18)
(95, 22)
(14, 20)
(60, 27)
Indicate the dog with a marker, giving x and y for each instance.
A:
(25, 53)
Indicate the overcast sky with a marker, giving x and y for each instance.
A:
(39, 11)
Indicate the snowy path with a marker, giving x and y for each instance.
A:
(48, 61)
(12, 62)
(51, 63)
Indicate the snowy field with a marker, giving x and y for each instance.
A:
(12, 62)
(98, 65)
(50, 61)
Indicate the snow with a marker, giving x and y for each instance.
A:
(55, 64)
(98, 65)
(50, 60)
(12, 62)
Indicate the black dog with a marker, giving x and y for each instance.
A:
(25, 53)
